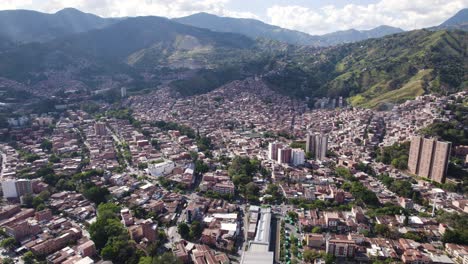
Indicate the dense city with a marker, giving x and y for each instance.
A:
(233, 132)
(237, 175)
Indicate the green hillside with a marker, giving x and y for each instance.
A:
(141, 52)
(413, 88)
(386, 70)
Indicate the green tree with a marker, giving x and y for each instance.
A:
(29, 258)
(184, 230)
(28, 200)
(142, 166)
(201, 167)
(120, 250)
(107, 225)
(44, 195)
(8, 243)
(37, 201)
(46, 145)
(54, 158)
(196, 229)
(8, 261)
(311, 255)
(166, 258)
(382, 230)
(316, 229)
(96, 194)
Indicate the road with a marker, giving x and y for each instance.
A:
(172, 235)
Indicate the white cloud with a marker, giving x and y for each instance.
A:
(121, 8)
(404, 14)
(407, 14)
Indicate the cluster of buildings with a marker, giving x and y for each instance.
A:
(218, 182)
(47, 235)
(331, 103)
(188, 252)
(242, 118)
(245, 103)
(285, 155)
(101, 146)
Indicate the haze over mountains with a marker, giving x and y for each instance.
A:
(459, 20)
(71, 50)
(255, 28)
(32, 26)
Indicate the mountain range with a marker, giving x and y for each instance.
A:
(141, 53)
(458, 21)
(31, 26)
(255, 29)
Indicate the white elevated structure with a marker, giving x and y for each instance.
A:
(258, 252)
(161, 169)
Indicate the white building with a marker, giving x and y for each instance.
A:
(298, 157)
(161, 169)
(259, 252)
(273, 150)
(9, 189)
(13, 188)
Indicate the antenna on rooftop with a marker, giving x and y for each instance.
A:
(433, 205)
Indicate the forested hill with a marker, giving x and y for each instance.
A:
(378, 71)
(139, 52)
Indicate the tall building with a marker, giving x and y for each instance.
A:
(123, 92)
(23, 186)
(100, 128)
(273, 150)
(317, 145)
(414, 153)
(310, 143)
(298, 157)
(429, 158)
(13, 188)
(284, 155)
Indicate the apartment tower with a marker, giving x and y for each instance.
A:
(317, 145)
(429, 158)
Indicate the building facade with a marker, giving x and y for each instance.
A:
(273, 150)
(284, 155)
(317, 145)
(429, 158)
(298, 157)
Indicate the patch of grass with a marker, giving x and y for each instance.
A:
(413, 88)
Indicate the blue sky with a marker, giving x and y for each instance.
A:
(311, 16)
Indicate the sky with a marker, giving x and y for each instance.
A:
(311, 16)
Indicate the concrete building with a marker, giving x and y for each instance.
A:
(87, 249)
(258, 252)
(9, 188)
(22, 229)
(317, 145)
(284, 155)
(341, 246)
(298, 157)
(161, 169)
(123, 92)
(150, 230)
(224, 188)
(273, 150)
(310, 143)
(429, 158)
(13, 188)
